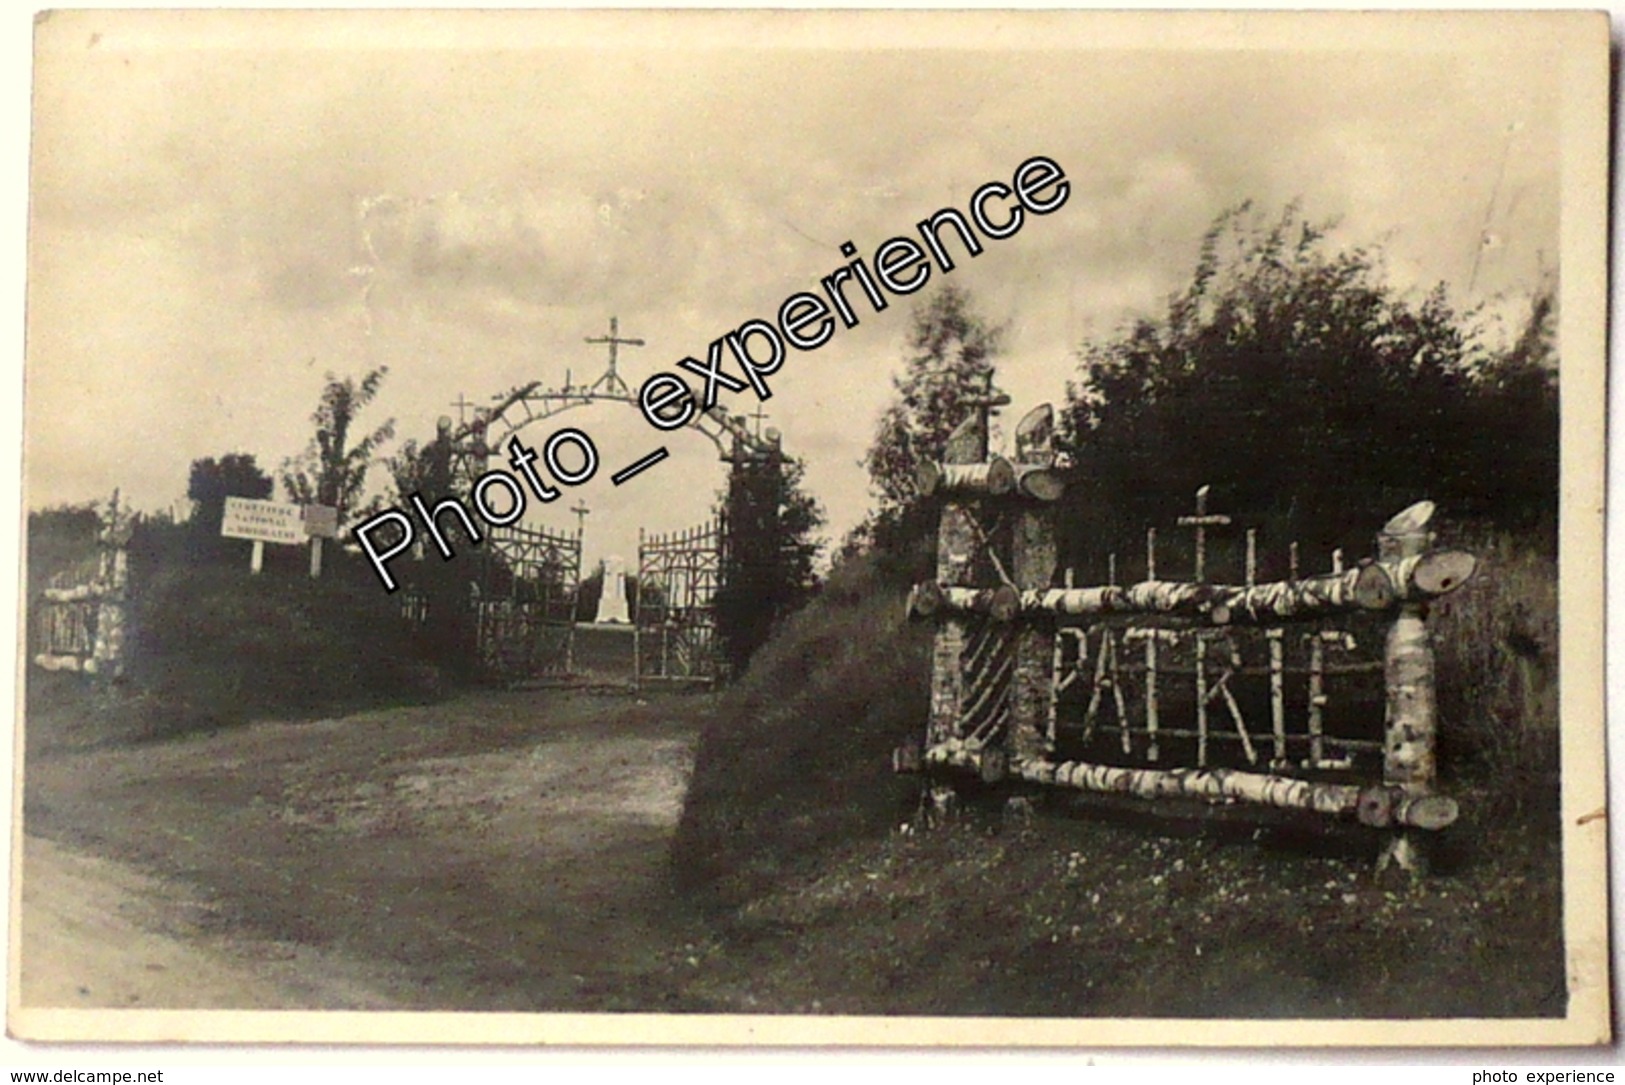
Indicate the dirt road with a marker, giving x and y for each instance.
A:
(497, 852)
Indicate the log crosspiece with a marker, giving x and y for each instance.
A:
(1378, 806)
(1375, 587)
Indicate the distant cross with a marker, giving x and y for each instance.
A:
(611, 377)
(581, 510)
(759, 416)
(462, 406)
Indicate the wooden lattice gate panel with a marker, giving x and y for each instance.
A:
(524, 613)
(987, 663)
(674, 620)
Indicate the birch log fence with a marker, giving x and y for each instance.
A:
(1039, 684)
(80, 626)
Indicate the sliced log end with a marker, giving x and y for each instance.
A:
(1005, 604)
(1042, 484)
(1376, 807)
(908, 759)
(1001, 476)
(1219, 614)
(927, 477)
(1035, 435)
(1443, 571)
(993, 765)
(924, 600)
(1410, 521)
(1373, 588)
(1432, 812)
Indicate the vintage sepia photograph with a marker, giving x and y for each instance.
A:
(998, 528)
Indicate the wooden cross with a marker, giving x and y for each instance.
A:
(614, 340)
(759, 416)
(988, 402)
(462, 406)
(1201, 521)
(581, 510)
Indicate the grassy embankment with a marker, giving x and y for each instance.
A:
(794, 836)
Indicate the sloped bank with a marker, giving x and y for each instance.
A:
(795, 759)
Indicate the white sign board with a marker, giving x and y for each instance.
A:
(263, 521)
(322, 521)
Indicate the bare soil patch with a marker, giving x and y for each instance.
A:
(497, 852)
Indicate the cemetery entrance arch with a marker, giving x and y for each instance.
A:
(526, 609)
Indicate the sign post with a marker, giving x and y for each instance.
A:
(273, 522)
(321, 522)
(261, 522)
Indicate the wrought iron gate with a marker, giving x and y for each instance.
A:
(674, 618)
(525, 611)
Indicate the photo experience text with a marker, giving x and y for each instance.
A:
(806, 321)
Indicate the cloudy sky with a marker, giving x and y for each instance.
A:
(224, 208)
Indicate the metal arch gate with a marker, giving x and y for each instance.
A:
(674, 617)
(524, 614)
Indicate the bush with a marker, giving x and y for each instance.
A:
(797, 758)
(1496, 648)
(284, 642)
(210, 646)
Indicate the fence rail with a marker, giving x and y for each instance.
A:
(1279, 693)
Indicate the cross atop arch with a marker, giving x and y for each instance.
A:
(610, 378)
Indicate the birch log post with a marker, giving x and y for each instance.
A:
(1033, 561)
(1153, 750)
(1410, 734)
(112, 584)
(956, 564)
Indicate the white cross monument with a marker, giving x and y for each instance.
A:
(612, 600)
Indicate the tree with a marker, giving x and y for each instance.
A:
(332, 470)
(1517, 430)
(1290, 376)
(952, 351)
(236, 474)
(61, 538)
(767, 565)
